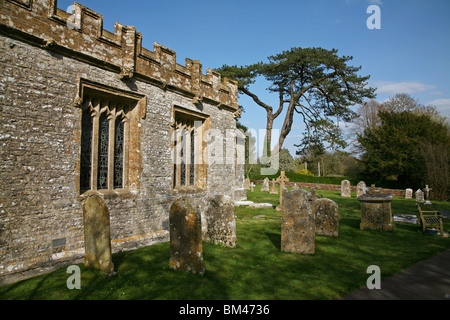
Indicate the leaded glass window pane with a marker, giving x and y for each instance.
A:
(192, 162)
(86, 151)
(184, 151)
(103, 141)
(175, 157)
(183, 159)
(118, 153)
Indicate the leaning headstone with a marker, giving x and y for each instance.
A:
(327, 218)
(408, 193)
(247, 183)
(265, 186)
(221, 225)
(97, 238)
(298, 225)
(360, 188)
(273, 188)
(186, 247)
(345, 189)
(420, 196)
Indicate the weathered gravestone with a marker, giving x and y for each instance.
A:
(298, 225)
(360, 188)
(346, 191)
(247, 183)
(327, 217)
(420, 196)
(265, 186)
(376, 212)
(221, 225)
(408, 193)
(273, 188)
(97, 238)
(282, 179)
(186, 247)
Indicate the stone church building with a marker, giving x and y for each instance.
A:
(85, 110)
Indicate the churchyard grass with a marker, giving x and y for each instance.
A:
(256, 268)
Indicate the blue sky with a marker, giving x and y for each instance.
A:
(409, 54)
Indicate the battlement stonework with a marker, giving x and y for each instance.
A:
(81, 35)
(85, 111)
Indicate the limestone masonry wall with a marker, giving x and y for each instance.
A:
(46, 62)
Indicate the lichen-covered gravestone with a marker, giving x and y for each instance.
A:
(186, 247)
(327, 217)
(346, 191)
(221, 225)
(97, 239)
(298, 225)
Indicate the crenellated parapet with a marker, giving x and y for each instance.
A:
(80, 35)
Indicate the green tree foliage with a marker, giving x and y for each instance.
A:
(314, 83)
(337, 163)
(287, 163)
(395, 147)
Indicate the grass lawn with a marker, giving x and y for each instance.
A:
(256, 268)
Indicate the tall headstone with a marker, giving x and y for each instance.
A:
(298, 225)
(360, 188)
(273, 188)
(265, 186)
(186, 247)
(408, 193)
(327, 218)
(282, 180)
(97, 238)
(346, 191)
(420, 196)
(221, 225)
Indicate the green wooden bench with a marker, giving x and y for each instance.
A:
(429, 219)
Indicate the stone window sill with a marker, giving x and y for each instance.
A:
(110, 194)
(184, 190)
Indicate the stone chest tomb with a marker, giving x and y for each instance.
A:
(376, 212)
(87, 111)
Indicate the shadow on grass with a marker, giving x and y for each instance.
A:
(275, 238)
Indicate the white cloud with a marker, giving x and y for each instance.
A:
(442, 105)
(391, 87)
